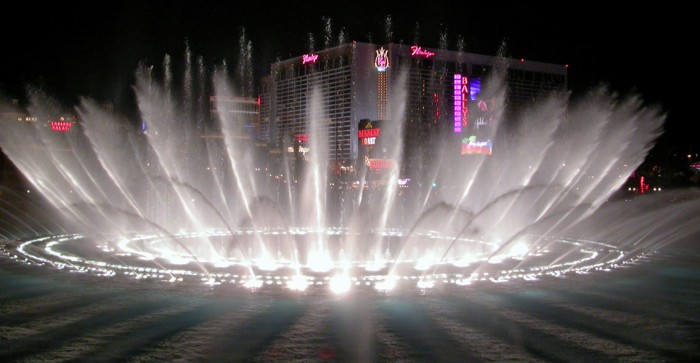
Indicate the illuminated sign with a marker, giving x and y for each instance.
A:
(474, 88)
(381, 61)
(420, 52)
(461, 98)
(379, 163)
(309, 58)
(474, 116)
(302, 137)
(61, 126)
(368, 132)
(472, 146)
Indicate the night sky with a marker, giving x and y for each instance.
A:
(93, 48)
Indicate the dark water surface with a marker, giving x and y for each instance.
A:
(646, 312)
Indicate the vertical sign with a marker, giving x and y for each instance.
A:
(457, 96)
(465, 99)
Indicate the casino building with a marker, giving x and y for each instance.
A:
(445, 93)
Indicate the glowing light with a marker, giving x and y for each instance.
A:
(460, 97)
(425, 284)
(643, 186)
(380, 164)
(424, 263)
(418, 51)
(212, 282)
(519, 249)
(309, 58)
(388, 284)
(372, 132)
(298, 283)
(253, 283)
(471, 145)
(61, 126)
(319, 262)
(340, 284)
(475, 89)
(267, 264)
(381, 61)
(581, 257)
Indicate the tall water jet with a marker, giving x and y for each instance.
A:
(194, 198)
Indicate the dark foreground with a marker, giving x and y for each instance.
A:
(645, 312)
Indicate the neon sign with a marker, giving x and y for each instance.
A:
(420, 52)
(472, 146)
(461, 97)
(309, 58)
(381, 61)
(368, 132)
(465, 100)
(474, 88)
(61, 126)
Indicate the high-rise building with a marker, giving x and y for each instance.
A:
(446, 91)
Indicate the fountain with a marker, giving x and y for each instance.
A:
(168, 203)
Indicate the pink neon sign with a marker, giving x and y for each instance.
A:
(457, 96)
(381, 61)
(420, 52)
(309, 58)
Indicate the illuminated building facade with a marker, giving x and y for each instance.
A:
(356, 81)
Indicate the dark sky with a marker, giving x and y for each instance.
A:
(93, 48)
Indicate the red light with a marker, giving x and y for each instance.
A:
(522, 60)
(380, 164)
(258, 101)
(61, 126)
(302, 137)
(643, 187)
(566, 66)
